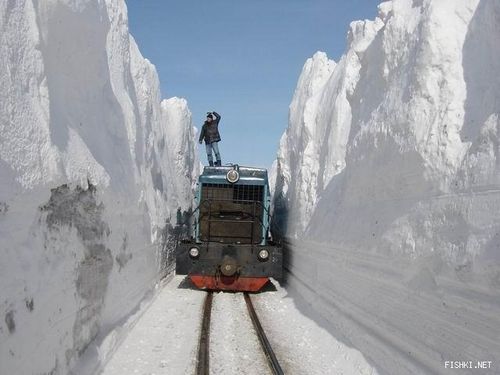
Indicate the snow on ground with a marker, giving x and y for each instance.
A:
(93, 167)
(234, 346)
(165, 338)
(391, 155)
(301, 345)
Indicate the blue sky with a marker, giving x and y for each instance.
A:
(241, 59)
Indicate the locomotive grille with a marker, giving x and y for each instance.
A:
(231, 213)
(236, 193)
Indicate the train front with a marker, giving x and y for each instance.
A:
(230, 247)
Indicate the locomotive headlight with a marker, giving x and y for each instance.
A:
(263, 254)
(194, 252)
(233, 176)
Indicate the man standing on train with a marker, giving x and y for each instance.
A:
(210, 133)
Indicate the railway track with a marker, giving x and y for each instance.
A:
(203, 363)
(202, 366)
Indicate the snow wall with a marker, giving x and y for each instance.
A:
(93, 168)
(388, 186)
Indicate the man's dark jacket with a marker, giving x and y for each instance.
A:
(210, 131)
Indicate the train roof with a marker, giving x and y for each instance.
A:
(248, 175)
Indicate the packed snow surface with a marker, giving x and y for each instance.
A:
(299, 341)
(234, 346)
(392, 155)
(164, 340)
(93, 168)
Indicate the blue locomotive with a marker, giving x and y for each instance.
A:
(230, 246)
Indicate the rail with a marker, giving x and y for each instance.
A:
(203, 362)
(264, 342)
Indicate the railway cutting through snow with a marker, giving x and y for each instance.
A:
(164, 338)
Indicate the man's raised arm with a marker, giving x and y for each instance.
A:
(217, 116)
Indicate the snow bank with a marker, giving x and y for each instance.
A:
(393, 153)
(93, 168)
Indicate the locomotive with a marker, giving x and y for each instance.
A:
(229, 246)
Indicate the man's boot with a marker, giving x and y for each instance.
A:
(211, 163)
(218, 163)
